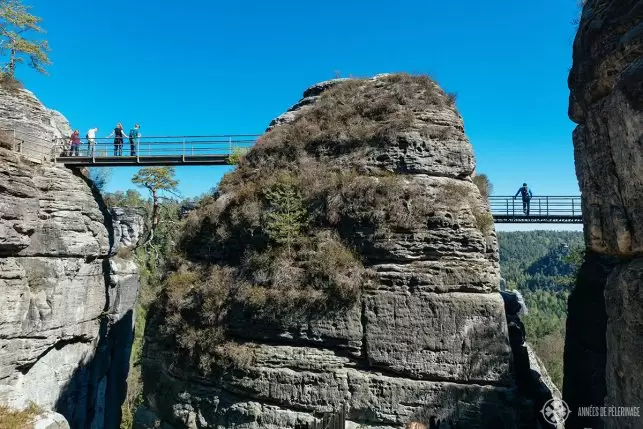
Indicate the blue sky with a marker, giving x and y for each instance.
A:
(212, 67)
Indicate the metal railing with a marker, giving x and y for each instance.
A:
(180, 148)
(33, 147)
(547, 206)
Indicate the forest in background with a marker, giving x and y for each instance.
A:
(542, 265)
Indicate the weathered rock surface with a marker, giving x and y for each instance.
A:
(286, 384)
(67, 309)
(428, 336)
(50, 212)
(605, 330)
(45, 420)
(624, 365)
(128, 225)
(26, 123)
(51, 420)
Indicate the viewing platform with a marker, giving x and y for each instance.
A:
(217, 150)
(542, 209)
(156, 151)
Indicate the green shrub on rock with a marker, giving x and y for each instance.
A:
(281, 238)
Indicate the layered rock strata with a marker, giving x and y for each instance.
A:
(605, 325)
(29, 127)
(427, 337)
(67, 307)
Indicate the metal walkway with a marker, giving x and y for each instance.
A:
(542, 209)
(216, 150)
(155, 150)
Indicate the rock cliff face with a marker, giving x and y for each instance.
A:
(28, 126)
(66, 320)
(381, 166)
(605, 325)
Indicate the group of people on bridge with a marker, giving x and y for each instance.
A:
(119, 138)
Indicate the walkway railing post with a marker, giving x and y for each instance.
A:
(573, 207)
(539, 209)
(183, 151)
(513, 207)
(507, 209)
(230, 145)
(547, 204)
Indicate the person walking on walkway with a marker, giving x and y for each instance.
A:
(91, 141)
(74, 141)
(526, 197)
(119, 135)
(134, 136)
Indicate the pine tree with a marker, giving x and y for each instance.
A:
(156, 180)
(285, 217)
(15, 22)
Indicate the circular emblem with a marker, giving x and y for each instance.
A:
(555, 411)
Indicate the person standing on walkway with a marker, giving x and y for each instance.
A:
(526, 197)
(91, 141)
(74, 141)
(119, 136)
(134, 136)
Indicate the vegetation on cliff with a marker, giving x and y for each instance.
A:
(288, 233)
(152, 260)
(16, 26)
(18, 419)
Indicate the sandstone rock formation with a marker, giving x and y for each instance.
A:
(425, 335)
(28, 125)
(128, 226)
(23, 112)
(605, 325)
(66, 320)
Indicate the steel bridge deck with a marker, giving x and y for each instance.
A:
(143, 160)
(536, 219)
(217, 150)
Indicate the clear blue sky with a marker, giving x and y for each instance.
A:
(229, 67)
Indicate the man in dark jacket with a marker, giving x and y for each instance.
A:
(526, 197)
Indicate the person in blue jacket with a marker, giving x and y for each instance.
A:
(526, 197)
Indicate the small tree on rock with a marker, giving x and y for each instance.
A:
(237, 154)
(285, 216)
(157, 180)
(484, 185)
(15, 23)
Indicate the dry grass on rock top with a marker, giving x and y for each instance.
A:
(350, 117)
(18, 419)
(285, 235)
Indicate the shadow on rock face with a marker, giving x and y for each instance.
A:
(94, 394)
